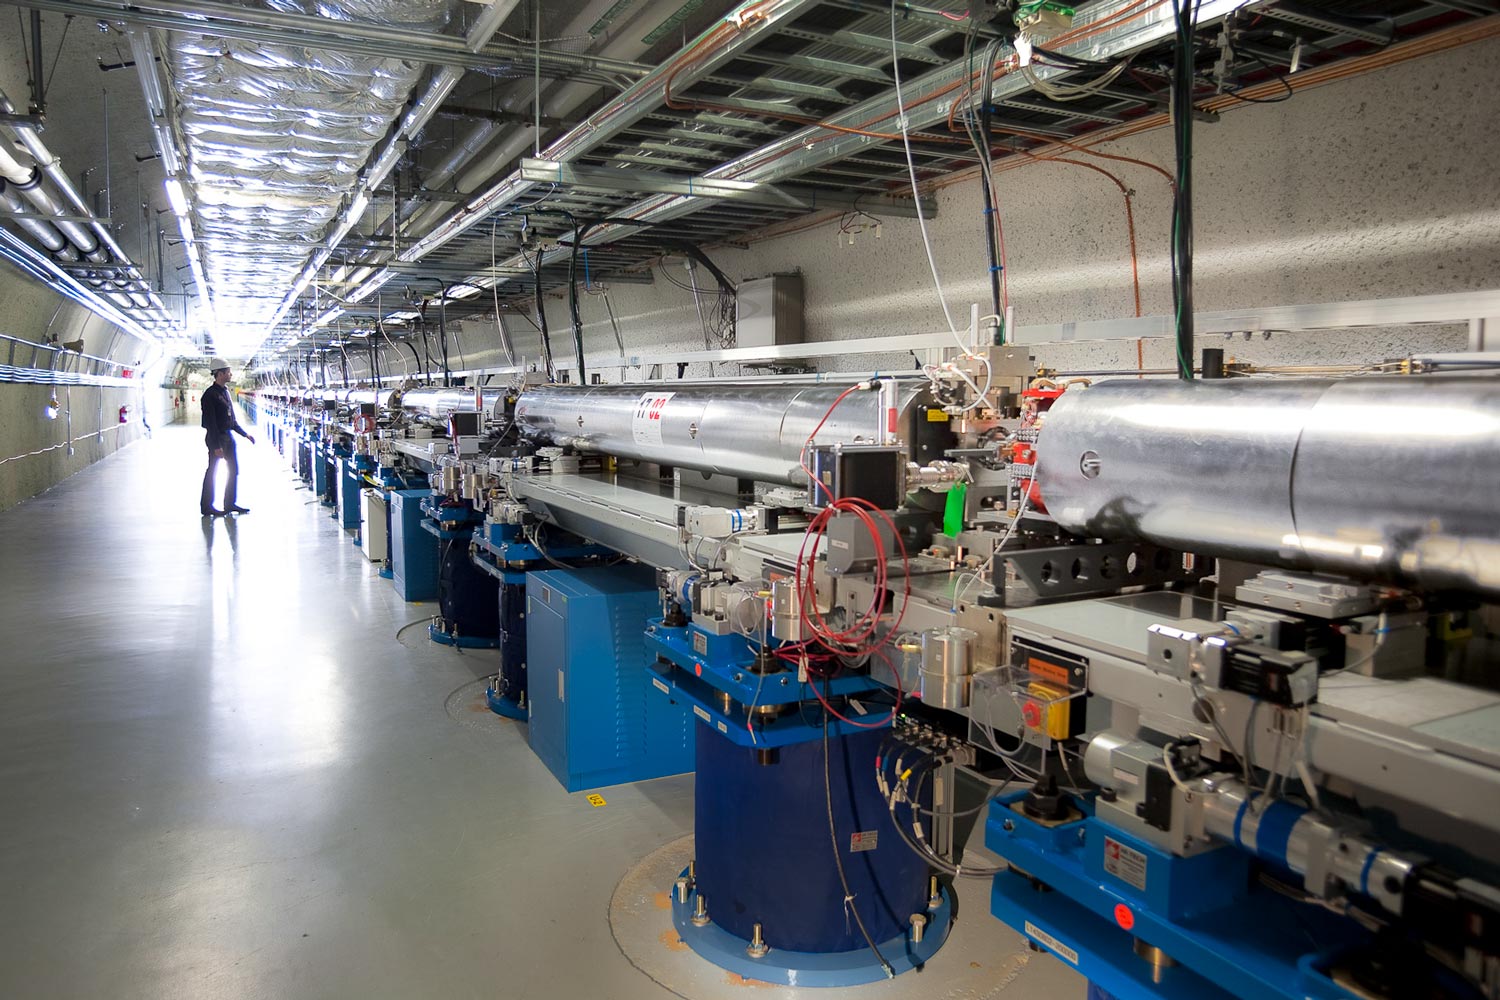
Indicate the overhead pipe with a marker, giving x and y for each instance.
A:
(27, 181)
(921, 107)
(748, 24)
(560, 100)
(51, 166)
(42, 231)
(418, 218)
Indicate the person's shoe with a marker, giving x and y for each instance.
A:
(236, 510)
(212, 512)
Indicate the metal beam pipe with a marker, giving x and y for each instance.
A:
(1390, 479)
(745, 431)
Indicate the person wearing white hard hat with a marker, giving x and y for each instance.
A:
(220, 424)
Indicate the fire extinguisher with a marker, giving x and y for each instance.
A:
(124, 414)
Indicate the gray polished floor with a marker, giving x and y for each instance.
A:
(221, 775)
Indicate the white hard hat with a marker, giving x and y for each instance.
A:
(215, 364)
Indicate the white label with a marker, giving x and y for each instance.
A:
(1053, 944)
(723, 728)
(646, 421)
(700, 643)
(864, 840)
(1125, 863)
(1124, 777)
(700, 713)
(660, 685)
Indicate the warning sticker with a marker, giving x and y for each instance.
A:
(702, 714)
(865, 840)
(1047, 671)
(596, 801)
(1053, 944)
(660, 685)
(1125, 863)
(645, 422)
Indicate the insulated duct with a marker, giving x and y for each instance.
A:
(276, 137)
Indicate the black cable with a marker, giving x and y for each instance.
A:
(1184, 78)
(541, 312)
(443, 329)
(541, 321)
(418, 358)
(579, 232)
(838, 859)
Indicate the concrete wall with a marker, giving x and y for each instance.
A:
(1380, 185)
(34, 451)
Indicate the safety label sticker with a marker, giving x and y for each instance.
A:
(1125, 863)
(866, 840)
(645, 422)
(660, 685)
(596, 801)
(1053, 944)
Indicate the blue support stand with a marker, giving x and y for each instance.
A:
(1087, 892)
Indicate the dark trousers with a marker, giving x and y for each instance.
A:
(231, 485)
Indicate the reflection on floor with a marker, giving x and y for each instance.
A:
(223, 776)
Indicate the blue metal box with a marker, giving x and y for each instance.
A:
(594, 719)
(414, 552)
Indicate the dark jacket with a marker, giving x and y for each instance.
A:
(218, 416)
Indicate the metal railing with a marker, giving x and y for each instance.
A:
(53, 364)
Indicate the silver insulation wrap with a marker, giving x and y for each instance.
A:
(1391, 479)
(276, 136)
(746, 430)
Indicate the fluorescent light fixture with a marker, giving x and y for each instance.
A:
(463, 291)
(358, 205)
(328, 317)
(403, 316)
(176, 197)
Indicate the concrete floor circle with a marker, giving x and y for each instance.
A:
(467, 706)
(981, 958)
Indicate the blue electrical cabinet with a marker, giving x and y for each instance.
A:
(594, 719)
(350, 482)
(413, 552)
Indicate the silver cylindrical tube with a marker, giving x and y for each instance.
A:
(947, 666)
(437, 405)
(1390, 479)
(750, 431)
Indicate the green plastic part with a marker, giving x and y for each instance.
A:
(953, 512)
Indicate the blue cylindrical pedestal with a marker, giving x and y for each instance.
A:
(466, 594)
(764, 854)
(510, 686)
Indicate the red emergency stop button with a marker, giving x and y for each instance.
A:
(1031, 712)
